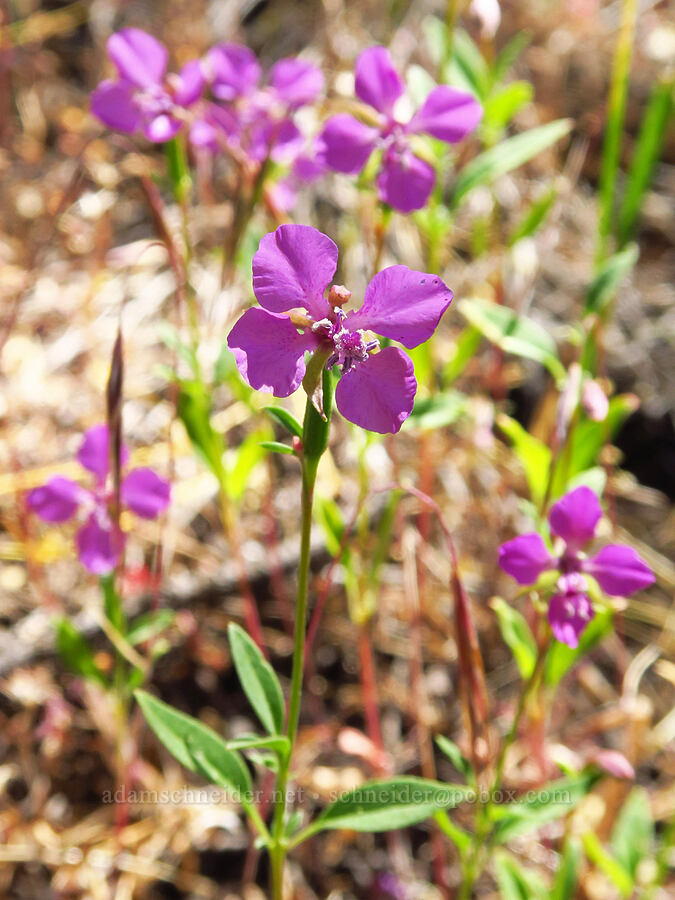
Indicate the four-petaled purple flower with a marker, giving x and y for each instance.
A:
(405, 180)
(617, 568)
(99, 541)
(144, 97)
(292, 269)
(254, 121)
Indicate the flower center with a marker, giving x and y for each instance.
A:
(349, 347)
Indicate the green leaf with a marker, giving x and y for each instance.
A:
(517, 636)
(557, 799)
(468, 69)
(242, 461)
(258, 680)
(565, 883)
(466, 346)
(278, 447)
(388, 805)
(647, 151)
(633, 834)
(149, 625)
(454, 754)
(605, 862)
(507, 155)
(284, 418)
(332, 522)
(194, 411)
(437, 411)
(515, 882)
(516, 334)
(76, 653)
(278, 742)
(606, 283)
(183, 736)
(460, 838)
(502, 105)
(561, 658)
(533, 455)
(510, 54)
(534, 217)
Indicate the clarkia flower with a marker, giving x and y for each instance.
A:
(617, 568)
(144, 98)
(292, 270)
(405, 180)
(253, 119)
(99, 541)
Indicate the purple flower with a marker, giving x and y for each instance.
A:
(292, 269)
(99, 541)
(405, 180)
(617, 568)
(144, 98)
(254, 121)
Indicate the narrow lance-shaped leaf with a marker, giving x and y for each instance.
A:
(608, 279)
(507, 155)
(76, 652)
(183, 736)
(514, 333)
(515, 882)
(565, 884)
(533, 455)
(258, 680)
(387, 805)
(517, 636)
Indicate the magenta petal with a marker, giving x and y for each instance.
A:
(296, 82)
(378, 394)
(162, 128)
(405, 181)
(347, 143)
(377, 81)
(281, 140)
(113, 103)
(145, 493)
(235, 71)
(403, 305)
(57, 500)
(269, 351)
(525, 558)
(189, 84)
(292, 269)
(447, 114)
(569, 614)
(138, 56)
(94, 451)
(99, 546)
(575, 516)
(619, 570)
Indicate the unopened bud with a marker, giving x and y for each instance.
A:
(338, 295)
(594, 401)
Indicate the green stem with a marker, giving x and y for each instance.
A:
(314, 443)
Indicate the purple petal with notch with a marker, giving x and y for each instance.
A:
(292, 268)
(575, 516)
(99, 546)
(347, 143)
(138, 57)
(525, 558)
(145, 493)
(377, 81)
(269, 351)
(447, 114)
(57, 500)
(403, 305)
(113, 103)
(619, 570)
(378, 394)
(405, 181)
(296, 82)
